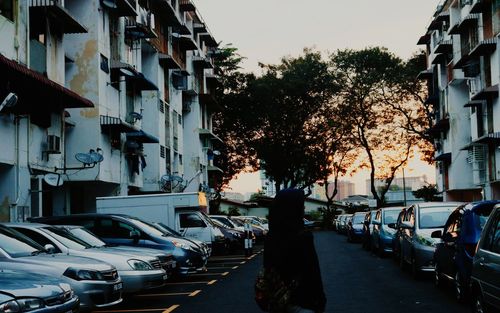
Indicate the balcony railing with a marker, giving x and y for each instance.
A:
(475, 86)
(39, 10)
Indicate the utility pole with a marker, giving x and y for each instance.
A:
(404, 187)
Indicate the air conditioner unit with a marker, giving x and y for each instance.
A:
(53, 144)
(477, 157)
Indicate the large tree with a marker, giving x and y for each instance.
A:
(371, 91)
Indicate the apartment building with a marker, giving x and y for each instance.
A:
(462, 77)
(135, 115)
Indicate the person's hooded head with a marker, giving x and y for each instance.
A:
(287, 212)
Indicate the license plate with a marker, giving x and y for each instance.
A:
(118, 287)
(165, 277)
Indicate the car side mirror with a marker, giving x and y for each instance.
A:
(392, 225)
(50, 248)
(437, 234)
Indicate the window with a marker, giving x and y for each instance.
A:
(191, 220)
(7, 9)
(162, 152)
(492, 237)
(36, 237)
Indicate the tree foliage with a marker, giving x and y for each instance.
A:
(427, 192)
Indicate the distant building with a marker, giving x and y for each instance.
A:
(344, 189)
(234, 196)
(410, 183)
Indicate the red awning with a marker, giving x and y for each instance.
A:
(35, 91)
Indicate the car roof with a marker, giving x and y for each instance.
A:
(27, 225)
(473, 206)
(438, 204)
(393, 208)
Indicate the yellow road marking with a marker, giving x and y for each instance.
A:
(235, 267)
(222, 259)
(167, 310)
(188, 282)
(218, 268)
(170, 309)
(164, 294)
(243, 262)
(228, 263)
(224, 274)
(212, 282)
(194, 293)
(207, 274)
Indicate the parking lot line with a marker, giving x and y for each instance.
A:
(224, 274)
(218, 268)
(208, 274)
(194, 293)
(212, 282)
(165, 294)
(227, 258)
(170, 309)
(243, 262)
(189, 282)
(235, 267)
(227, 263)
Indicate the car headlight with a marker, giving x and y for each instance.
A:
(425, 241)
(139, 265)
(82, 274)
(181, 245)
(21, 305)
(10, 307)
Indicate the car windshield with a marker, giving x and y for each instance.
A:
(434, 217)
(218, 223)
(66, 238)
(168, 230)
(16, 244)
(238, 222)
(147, 227)
(358, 218)
(86, 236)
(225, 221)
(391, 216)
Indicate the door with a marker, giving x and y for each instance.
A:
(407, 233)
(448, 247)
(487, 262)
(193, 226)
(116, 233)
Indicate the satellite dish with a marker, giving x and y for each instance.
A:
(165, 179)
(85, 158)
(53, 179)
(96, 157)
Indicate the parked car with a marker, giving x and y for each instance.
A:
(227, 221)
(398, 235)
(138, 272)
(485, 277)
(417, 245)
(22, 291)
(96, 283)
(166, 259)
(259, 232)
(234, 239)
(309, 224)
(355, 227)
(382, 234)
(368, 228)
(459, 238)
(130, 231)
(202, 245)
(343, 223)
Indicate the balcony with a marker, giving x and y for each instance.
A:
(121, 7)
(207, 133)
(432, 99)
(455, 77)
(168, 62)
(440, 58)
(141, 27)
(40, 10)
(202, 62)
(134, 79)
(199, 28)
(210, 101)
(437, 23)
(185, 42)
(487, 93)
(444, 157)
(425, 74)
(461, 25)
(490, 138)
(141, 137)
(444, 46)
(186, 6)
(441, 125)
(483, 48)
(209, 40)
(111, 124)
(167, 12)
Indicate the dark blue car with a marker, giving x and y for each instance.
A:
(115, 229)
(454, 254)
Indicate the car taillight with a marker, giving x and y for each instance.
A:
(470, 249)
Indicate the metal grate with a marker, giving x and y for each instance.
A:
(162, 152)
(110, 275)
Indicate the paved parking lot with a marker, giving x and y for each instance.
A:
(354, 281)
(184, 294)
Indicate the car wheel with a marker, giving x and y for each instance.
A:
(415, 272)
(459, 288)
(478, 305)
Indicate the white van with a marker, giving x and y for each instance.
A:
(182, 212)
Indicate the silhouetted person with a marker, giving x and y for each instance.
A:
(289, 249)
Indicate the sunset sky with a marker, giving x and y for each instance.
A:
(285, 27)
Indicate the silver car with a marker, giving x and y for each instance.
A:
(22, 291)
(417, 245)
(96, 283)
(138, 273)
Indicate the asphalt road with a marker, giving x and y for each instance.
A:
(354, 281)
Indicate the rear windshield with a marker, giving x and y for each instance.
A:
(391, 216)
(434, 217)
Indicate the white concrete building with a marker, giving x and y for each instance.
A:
(139, 75)
(463, 75)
